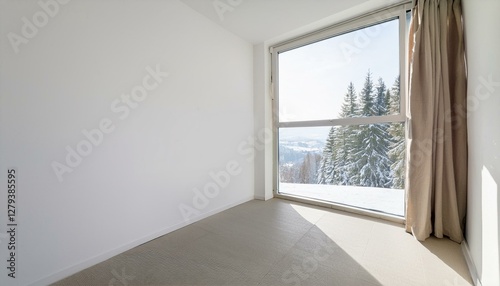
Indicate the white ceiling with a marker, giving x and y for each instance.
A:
(259, 20)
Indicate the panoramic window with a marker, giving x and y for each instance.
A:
(341, 114)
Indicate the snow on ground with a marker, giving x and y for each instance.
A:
(303, 149)
(379, 199)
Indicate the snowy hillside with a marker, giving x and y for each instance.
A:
(293, 150)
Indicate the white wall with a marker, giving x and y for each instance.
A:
(128, 190)
(263, 124)
(483, 224)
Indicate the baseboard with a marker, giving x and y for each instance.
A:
(262, 198)
(470, 264)
(107, 255)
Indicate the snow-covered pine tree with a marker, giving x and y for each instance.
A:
(380, 107)
(345, 145)
(350, 106)
(343, 148)
(327, 165)
(367, 96)
(372, 162)
(397, 146)
(336, 164)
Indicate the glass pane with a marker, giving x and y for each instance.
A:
(356, 165)
(315, 81)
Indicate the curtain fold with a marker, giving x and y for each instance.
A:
(437, 159)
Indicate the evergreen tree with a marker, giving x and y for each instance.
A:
(366, 96)
(397, 147)
(381, 104)
(350, 106)
(336, 164)
(366, 155)
(342, 158)
(372, 166)
(388, 102)
(394, 99)
(327, 164)
(382, 108)
(346, 144)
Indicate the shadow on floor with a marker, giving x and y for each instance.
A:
(449, 252)
(256, 243)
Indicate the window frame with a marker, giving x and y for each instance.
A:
(377, 17)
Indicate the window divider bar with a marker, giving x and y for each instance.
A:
(344, 121)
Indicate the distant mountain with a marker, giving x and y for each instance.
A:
(293, 150)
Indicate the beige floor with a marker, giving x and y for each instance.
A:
(279, 242)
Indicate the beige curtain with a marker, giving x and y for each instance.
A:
(437, 159)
